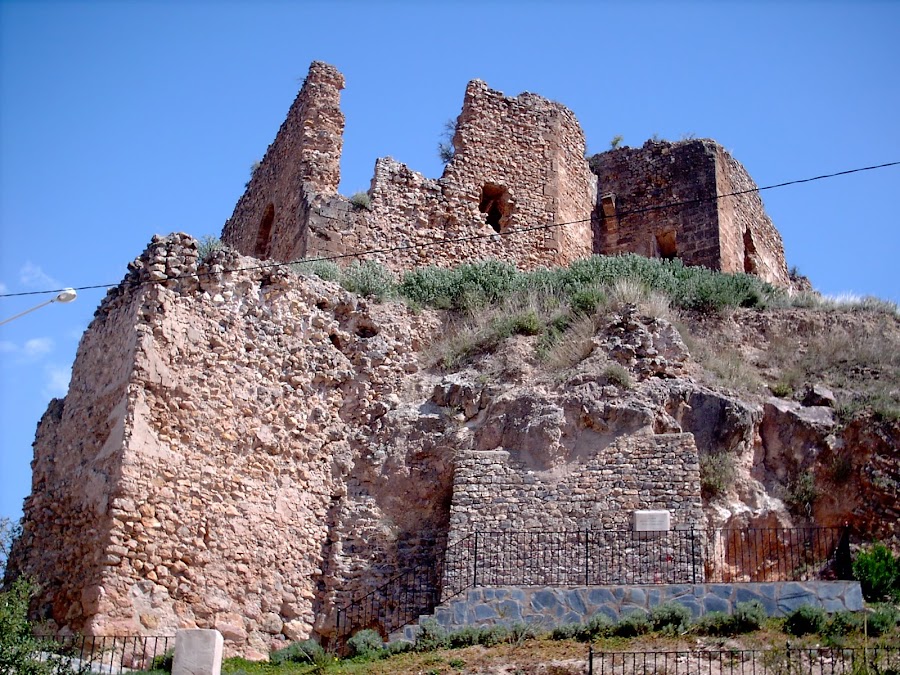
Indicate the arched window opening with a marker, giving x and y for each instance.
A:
(495, 204)
(749, 253)
(667, 244)
(261, 249)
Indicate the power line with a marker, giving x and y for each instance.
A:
(473, 237)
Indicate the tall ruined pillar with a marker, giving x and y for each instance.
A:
(270, 219)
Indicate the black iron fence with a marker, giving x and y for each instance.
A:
(624, 557)
(597, 558)
(405, 597)
(107, 655)
(786, 661)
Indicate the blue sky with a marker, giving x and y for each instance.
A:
(122, 120)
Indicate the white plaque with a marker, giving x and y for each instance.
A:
(651, 521)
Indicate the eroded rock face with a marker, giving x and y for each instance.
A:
(248, 449)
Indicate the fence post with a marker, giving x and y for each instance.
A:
(587, 554)
(693, 556)
(590, 659)
(475, 563)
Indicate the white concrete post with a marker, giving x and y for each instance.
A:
(198, 652)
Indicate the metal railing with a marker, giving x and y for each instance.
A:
(787, 661)
(596, 558)
(106, 654)
(404, 598)
(624, 557)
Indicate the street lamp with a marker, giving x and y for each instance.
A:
(65, 295)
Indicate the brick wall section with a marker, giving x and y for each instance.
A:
(731, 234)
(270, 219)
(495, 490)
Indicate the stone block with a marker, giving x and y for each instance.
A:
(198, 652)
(713, 603)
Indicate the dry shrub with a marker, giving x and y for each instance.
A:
(574, 346)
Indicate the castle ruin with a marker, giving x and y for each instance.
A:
(517, 188)
(246, 449)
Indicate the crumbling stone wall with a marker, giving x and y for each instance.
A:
(731, 234)
(227, 456)
(518, 163)
(300, 168)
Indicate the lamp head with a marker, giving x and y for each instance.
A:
(66, 295)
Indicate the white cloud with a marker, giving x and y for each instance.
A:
(3, 288)
(57, 382)
(36, 347)
(33, 276)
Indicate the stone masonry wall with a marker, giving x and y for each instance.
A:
(69, 518)
(643, 178)
(519, 163)
(749, 241)
(497, 490)
(220, 459)
(303, 163)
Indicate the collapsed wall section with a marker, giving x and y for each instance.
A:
(518, 164)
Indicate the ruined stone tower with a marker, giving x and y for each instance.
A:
(676, 200)
(518, 164)
(517, 188)
(270, 219)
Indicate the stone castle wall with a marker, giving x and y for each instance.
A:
(701, 226)
(219, 460)
(519, 163)
(270, 220)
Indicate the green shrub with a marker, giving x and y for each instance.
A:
(324, 269)
(803, 493)
(567, 631)
(207, 245)
(878, 572)
(487, 636)
(748, 616)
(586, 300)
(781, 389)
(365, 643)
(163, 662)
(717, 472)
(617, 374)
(632, 625)
(361, 200)
(670, 618)
(843, 623)
(369, 279)
(804, 620)
(307, 651)
(597, 626)
(431, 636)
(883, 620)
(718, 624)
